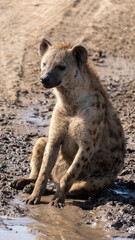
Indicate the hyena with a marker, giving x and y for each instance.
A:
(85, 148)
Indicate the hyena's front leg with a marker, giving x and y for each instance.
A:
(87, 137)
(82, 157)
(49, 159)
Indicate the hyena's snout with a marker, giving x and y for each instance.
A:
(49, 80)
(44, 79)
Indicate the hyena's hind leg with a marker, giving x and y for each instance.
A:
(83, 189)
(91, 186)
(35, 164)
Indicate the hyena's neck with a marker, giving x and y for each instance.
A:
(73, 97)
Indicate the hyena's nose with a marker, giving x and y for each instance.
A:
(44, 79)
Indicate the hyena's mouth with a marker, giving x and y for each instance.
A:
(51, 84)
(49, 80)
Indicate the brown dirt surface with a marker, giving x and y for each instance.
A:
(107, 29)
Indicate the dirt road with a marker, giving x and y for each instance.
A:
(100, 25)
(107, 29)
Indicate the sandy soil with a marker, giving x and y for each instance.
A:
(107, 29)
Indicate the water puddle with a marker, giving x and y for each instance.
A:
(64, 224)
(33, 119)
(123, 236)
(15, 228)
(50, 223)
(123, 191)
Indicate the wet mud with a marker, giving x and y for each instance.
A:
(107, 30)
(108, 215)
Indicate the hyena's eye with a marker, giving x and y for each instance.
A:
(61, 67)
(44, 64)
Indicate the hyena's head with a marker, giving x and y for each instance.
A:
(61, 63)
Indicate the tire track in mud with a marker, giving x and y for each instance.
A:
(80, 22)
(24, 24)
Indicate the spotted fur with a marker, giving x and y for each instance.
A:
(85, 148)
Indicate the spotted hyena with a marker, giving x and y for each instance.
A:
(85, 148)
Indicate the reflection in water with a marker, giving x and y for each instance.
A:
(34, 120)
(65, 224)
(124, 191)
(15, 228)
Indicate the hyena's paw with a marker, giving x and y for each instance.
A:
(58, 202)
(29, 188)
(19, 183)
(32, 199)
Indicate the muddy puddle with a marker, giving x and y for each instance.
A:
(46, 222)
(34, 120)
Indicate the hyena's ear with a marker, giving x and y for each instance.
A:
(80, 55)
(44, 45)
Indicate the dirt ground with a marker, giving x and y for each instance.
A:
(107, 29)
